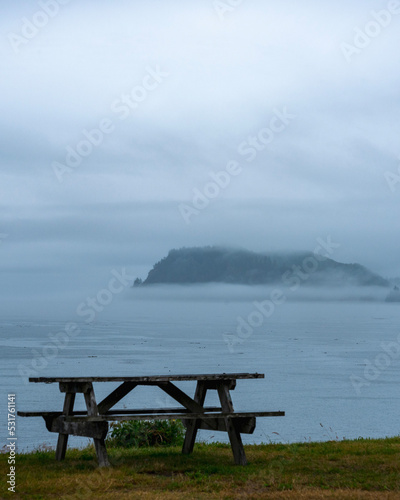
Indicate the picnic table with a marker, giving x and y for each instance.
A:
(93, 422)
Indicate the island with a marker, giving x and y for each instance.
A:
(213, 264)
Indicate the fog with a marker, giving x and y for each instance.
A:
(208, 88)
(156, 301)
(240, 293)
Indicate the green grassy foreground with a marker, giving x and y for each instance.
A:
(363, 468)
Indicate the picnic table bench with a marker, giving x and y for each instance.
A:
(93, 422)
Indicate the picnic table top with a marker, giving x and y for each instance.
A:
(151, 378)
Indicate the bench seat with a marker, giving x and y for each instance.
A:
(116, 412)
(80, 424)
(173, 416)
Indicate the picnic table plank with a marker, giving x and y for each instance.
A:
(150, 378)
(245, 425)
(57, 423)
(116, 412)
(176, 416)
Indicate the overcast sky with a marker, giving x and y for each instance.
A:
(181, 91)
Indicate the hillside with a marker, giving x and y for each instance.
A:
(222, 265)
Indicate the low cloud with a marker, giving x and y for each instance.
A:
(324, 175)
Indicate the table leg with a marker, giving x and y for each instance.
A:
(92, 411)
(63, 438)
(192, 426)
(233, 432)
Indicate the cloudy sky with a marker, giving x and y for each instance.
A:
(117, 117)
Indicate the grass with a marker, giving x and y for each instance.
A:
(364, 468)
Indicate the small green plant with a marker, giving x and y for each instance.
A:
(141, 433)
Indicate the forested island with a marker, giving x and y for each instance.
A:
(236, 266)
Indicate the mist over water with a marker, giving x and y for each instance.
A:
(64, 305)
(243, 293)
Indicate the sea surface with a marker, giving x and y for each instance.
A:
(332, 366)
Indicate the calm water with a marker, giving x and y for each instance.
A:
(308, 351)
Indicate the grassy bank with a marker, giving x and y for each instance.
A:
(344, 469)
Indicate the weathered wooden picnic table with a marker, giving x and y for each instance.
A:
(93, 422)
